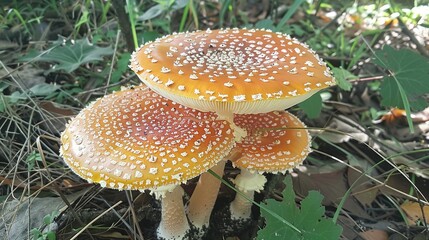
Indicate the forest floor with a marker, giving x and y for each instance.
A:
(370, 134)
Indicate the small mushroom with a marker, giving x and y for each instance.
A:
(231, 71)
(137, 140)
(277, 142)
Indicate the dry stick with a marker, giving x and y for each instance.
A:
(136, 226)
(413, 39)
(367, 79)
(113, 60)
(121, 82)
(95, 219)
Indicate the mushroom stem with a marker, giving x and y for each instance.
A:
(174, 224)
(239, 133)
(247, 182)
(241, 207)
(204, 197)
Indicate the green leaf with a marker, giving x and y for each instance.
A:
(409, 71)
(69, 55)
(51, 235)
(43, 89)
(36, 233)
(31, 160)
(342, 77)
(83, 19)
(309, 218)
(312, 106)
(152, 13)
(290, 12)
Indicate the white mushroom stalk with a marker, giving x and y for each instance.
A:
(137, 140)
(174, 224)
(277, 142)
(248, 183)
(231, 71)
(204, 197)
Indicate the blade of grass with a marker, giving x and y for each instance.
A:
(130, 9)
(194, 13)
(118, 34)
(222, 12)
(184, 17)
(21, 19)
(291, 11)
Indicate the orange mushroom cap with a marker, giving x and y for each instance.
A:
(231, 70)
(135, 139)
(276, 142)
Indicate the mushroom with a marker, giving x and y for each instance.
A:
(277, 142)
(231, 71)
(137, 140)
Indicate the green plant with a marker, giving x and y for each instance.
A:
(406, 80)
(45, 235)
(309, 218)
(69, 55)
(32, 158)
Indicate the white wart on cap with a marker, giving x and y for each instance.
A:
(136, 139)
(231, 70)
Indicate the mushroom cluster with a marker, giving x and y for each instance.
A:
(214, 96)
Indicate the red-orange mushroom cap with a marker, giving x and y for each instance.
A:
(135, 139)
(231, 70)
(276, 142)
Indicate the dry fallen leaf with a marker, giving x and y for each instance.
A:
(415, 212)
(343, 130)
(330, 181)
(374, 234)
(394, 117)
(364, 190)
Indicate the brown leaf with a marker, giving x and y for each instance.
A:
(400, 183)
(394, 117)
(364, 191)
(415, 212)
(331, 183)
(56, 110)
(374, 234)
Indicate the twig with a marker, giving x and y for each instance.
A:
(113, 60)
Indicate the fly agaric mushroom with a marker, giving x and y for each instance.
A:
(231, 71)
(137, 140)
(277, 142)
